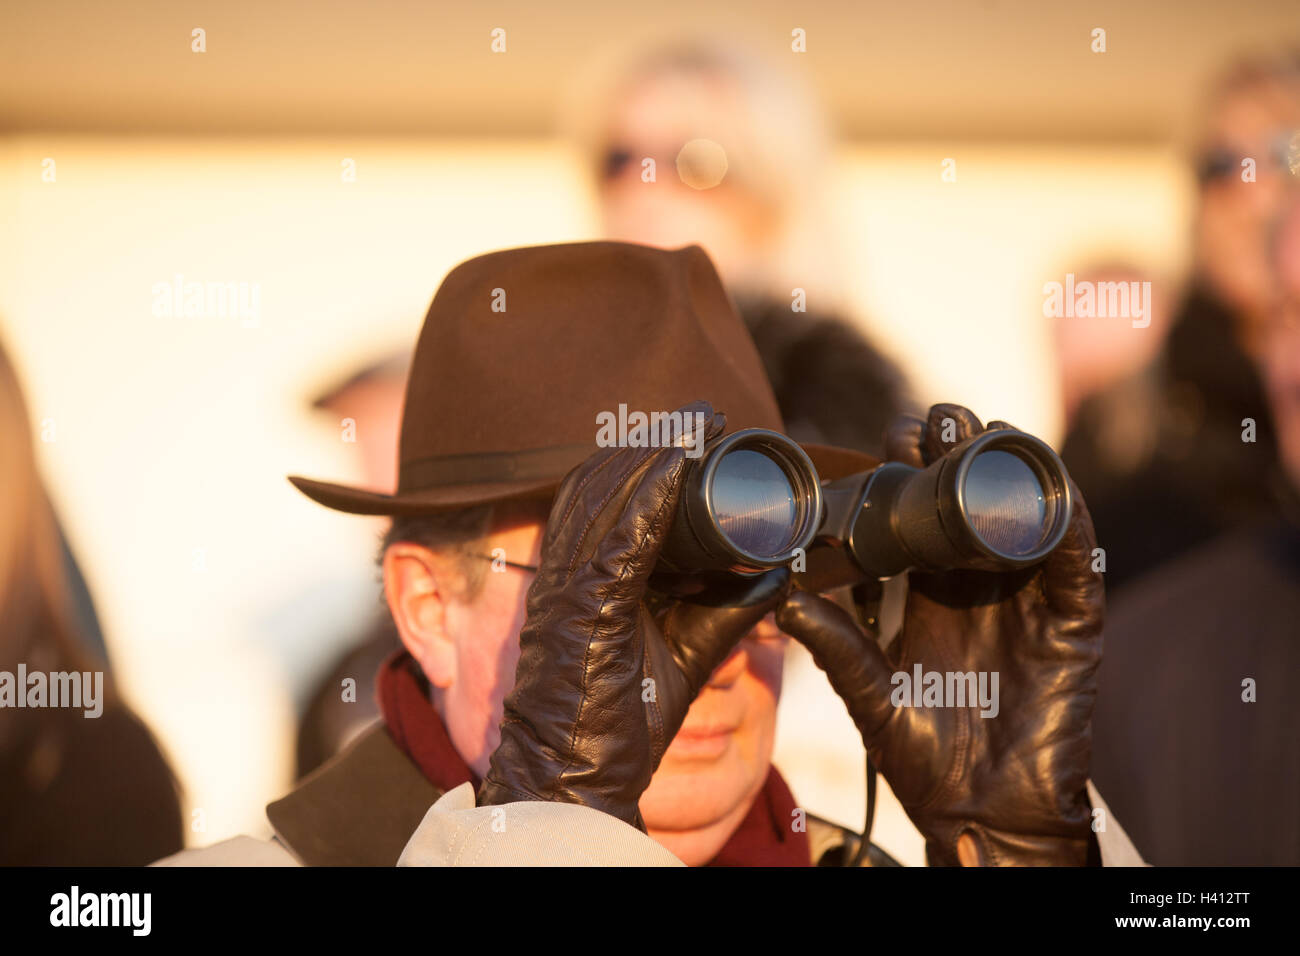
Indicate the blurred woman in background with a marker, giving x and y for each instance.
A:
(703, 141)
(75, 789)
(1194, 735)
(1161, 454)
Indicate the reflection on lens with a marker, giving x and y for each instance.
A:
(1005, 504)
(754, 503)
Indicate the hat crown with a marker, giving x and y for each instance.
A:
(522, 349)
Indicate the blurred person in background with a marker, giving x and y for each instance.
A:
(75, 789)
(741, 155)
(1161, 454)
(371, 398)
(1106, 355)
(1198, 724)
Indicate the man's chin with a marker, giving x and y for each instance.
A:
(698, 783)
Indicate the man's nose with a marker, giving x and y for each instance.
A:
(729, 671)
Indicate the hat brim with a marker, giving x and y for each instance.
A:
(830, 462)
(359, 501)
(833, 463)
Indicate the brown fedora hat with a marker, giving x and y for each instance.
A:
(522, 349)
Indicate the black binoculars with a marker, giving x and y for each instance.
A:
(753, 501)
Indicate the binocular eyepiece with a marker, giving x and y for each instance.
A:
(753, 501)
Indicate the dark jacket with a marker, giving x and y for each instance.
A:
(1160, 458)
(1199, 775)
(78, 791)
(832, 385)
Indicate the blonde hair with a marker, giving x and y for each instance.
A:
(1273, 75)
(778, 140)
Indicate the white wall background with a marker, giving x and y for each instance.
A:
(221, 589)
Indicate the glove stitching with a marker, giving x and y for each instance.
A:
(658, 745)
(600, 612)
(596, 512)
(572, 563)
(614, 491)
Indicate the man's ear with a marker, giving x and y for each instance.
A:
(416, 588)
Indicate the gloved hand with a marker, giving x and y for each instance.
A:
(602, 686)
(1011, 788)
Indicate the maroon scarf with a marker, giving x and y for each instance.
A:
(764, 838)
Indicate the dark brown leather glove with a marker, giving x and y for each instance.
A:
(1014, 782)
(602, 687)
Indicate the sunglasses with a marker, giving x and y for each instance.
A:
(617, 160)
(1217, 164)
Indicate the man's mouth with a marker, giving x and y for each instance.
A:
(705, 742)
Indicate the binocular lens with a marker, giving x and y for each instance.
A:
(754, 503)
(1005, 503)
(749, 503)
(996, 501)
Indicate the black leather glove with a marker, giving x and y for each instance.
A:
(1015, 782)
(602, 686)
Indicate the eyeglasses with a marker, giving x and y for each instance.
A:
(510, 564)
